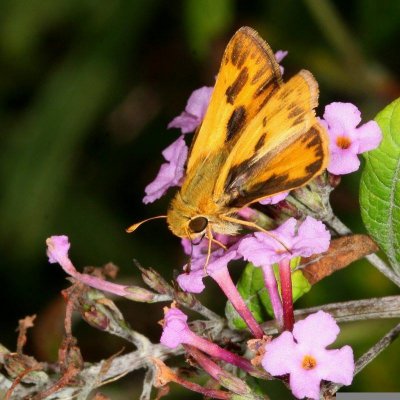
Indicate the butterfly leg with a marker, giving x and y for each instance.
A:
(218, 243)
(210, 240)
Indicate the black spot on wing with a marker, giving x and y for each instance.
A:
(314, 167)
(233, 90)
(239, 54)
(259, 74)
(236, 122)
(264, 86)
(236, 50)
(315, 141)
(298, 120)
(264, 122)
(274, 184)
(260, 142)
(296, 111)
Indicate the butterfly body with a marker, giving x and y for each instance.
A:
(196, 199)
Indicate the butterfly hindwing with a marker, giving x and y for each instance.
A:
(248, 76)
(282, 148)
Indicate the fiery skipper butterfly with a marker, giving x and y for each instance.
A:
(259, 137)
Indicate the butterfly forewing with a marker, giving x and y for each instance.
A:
(248, 77)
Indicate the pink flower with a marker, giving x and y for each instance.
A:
(274, 199)
(176, 331)
(217, 269)
(175, 328)
(311, 237)
(303, 355)
(195, 110)
(57, 251)
(346, 140)
(193, 281)
(170, 173)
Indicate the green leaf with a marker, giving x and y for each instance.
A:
(252, 289)
(380, 186)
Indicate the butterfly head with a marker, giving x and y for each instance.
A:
(187, 221)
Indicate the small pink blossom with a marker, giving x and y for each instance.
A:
(176, 331)
(311, 237)
(192, 281)
(303, 355)
(170, 173)
(57, 248)
(274, 199)
(57, 252)
(195, 110)
(175, 328)
(346, 140)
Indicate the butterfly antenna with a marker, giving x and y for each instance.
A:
(256, 227)
(133, 227)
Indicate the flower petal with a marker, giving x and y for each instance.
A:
(185, 122)
(369, 136)
(342, 117)
(57, 248)
(317, 330)
(343, 162)
(337, 365)
(192, 282)
(195, 110)
(262, 249)
(305, 384)
(175, 328)
(170, 173)
(274, 199)
(280, 355)
(312, 238)
(198, 101)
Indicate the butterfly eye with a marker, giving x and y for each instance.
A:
(198, 224)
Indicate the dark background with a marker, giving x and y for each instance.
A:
(86, 91)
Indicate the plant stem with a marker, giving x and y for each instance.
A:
(287, 296)
(272, 287)
(218, 352)
(225, 282)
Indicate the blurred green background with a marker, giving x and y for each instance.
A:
(87, 90)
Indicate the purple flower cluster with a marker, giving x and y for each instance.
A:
(301, 354)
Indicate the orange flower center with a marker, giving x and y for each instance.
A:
(309, 362)
(343, 142)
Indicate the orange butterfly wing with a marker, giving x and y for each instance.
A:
(248, 76)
